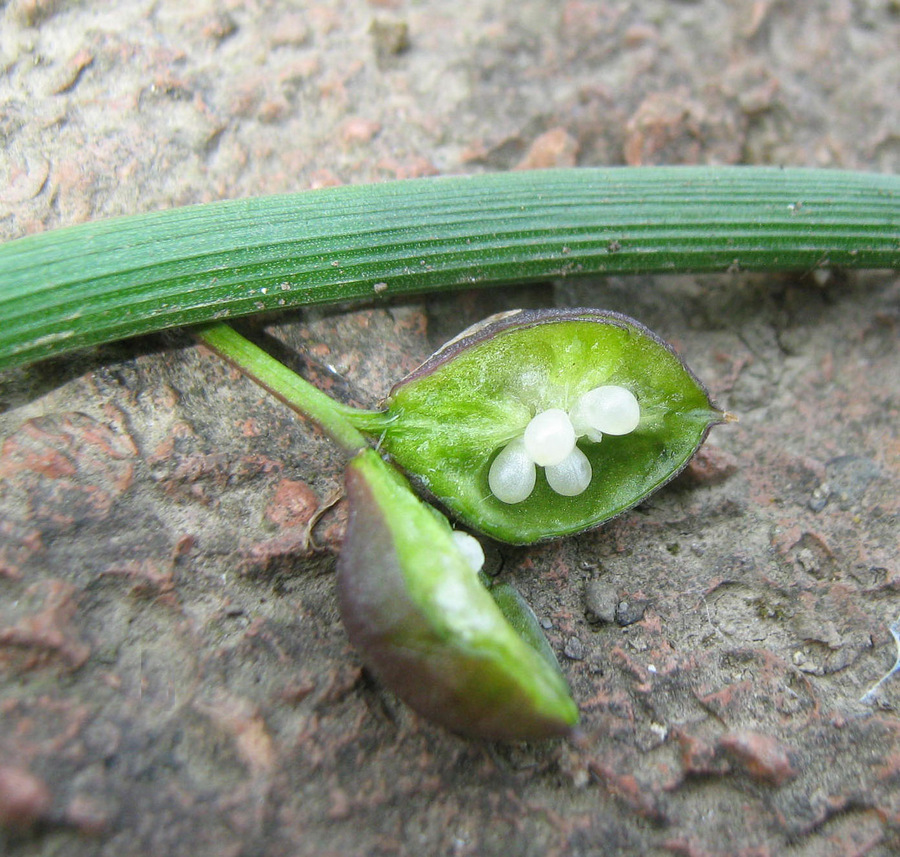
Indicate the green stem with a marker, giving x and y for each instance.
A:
(103, 281)
(334, 418)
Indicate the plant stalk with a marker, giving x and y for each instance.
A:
(331, 416)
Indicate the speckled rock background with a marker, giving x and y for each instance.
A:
(173, 675)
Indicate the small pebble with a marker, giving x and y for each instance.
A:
(390, 37)
(574, 649)
(600, 601)
(818, 500)
(629, 612)
(24, 798)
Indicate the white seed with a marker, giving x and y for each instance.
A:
(512, 474)
(606, 410)
(549, 437)
(572, 475)
(470, 548)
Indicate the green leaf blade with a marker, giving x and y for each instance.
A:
(103, 281)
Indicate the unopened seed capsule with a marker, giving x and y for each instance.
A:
(428, 628)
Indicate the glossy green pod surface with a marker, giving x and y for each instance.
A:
(450, 418)
(426, 626)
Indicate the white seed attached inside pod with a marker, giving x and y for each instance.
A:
(549, 437)
(606, 410)
(572, 475)
(470, 548)
(512, 474)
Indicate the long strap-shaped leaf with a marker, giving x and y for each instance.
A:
(103, 281)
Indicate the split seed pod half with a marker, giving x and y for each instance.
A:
(420, 617)
(488, 393)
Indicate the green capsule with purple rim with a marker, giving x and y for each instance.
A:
(418, 613)
(539, 424)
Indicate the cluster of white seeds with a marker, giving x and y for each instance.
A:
(549, 442)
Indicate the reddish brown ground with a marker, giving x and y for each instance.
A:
(173, 676)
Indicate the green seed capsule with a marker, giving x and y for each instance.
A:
(487, 424)
(415, 609)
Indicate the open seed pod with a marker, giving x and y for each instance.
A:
(415, 609)
(537, 424)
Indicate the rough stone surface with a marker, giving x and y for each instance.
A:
(173, 676)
